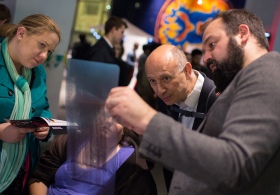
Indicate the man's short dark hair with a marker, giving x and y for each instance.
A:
(82, 37)
(234, 17)
(196, 52)
(112, 22)
(5, 13)
(146, 46)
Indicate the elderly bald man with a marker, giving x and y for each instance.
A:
(184, 94)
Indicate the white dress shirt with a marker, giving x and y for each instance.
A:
(190, 104)
(109, 43)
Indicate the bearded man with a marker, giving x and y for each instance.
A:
(236, 149)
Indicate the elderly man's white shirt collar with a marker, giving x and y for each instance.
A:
(109, 43)
(192, 100)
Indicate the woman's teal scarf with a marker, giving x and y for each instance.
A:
(13, 154)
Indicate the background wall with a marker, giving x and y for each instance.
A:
(269, 12)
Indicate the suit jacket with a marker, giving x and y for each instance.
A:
(236, 150)
(102, 52)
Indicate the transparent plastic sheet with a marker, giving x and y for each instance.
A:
(87, 86)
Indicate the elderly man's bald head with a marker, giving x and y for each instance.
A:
(170, 74)
(164, 54)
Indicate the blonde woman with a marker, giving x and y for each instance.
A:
(24, 47)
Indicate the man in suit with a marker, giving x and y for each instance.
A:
(103, 49)
(236, 149)
(131, 57)
(183, 93)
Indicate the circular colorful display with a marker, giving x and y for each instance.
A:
(179, 21)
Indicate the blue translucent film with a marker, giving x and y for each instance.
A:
(87, 86)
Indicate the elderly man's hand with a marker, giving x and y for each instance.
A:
(129, 109)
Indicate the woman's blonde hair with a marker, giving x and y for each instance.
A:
(34, 24)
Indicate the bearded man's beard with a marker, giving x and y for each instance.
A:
(227, 69)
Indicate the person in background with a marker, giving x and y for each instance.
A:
(24, 47)
(236, 148)
(189, 56)
(183, 93)
(103, 49)
(147, 49)
(131, 56)
(5, 14)
(125, 69)
(81, 47)
(196, 56)
(119, 50)
(101, 163)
